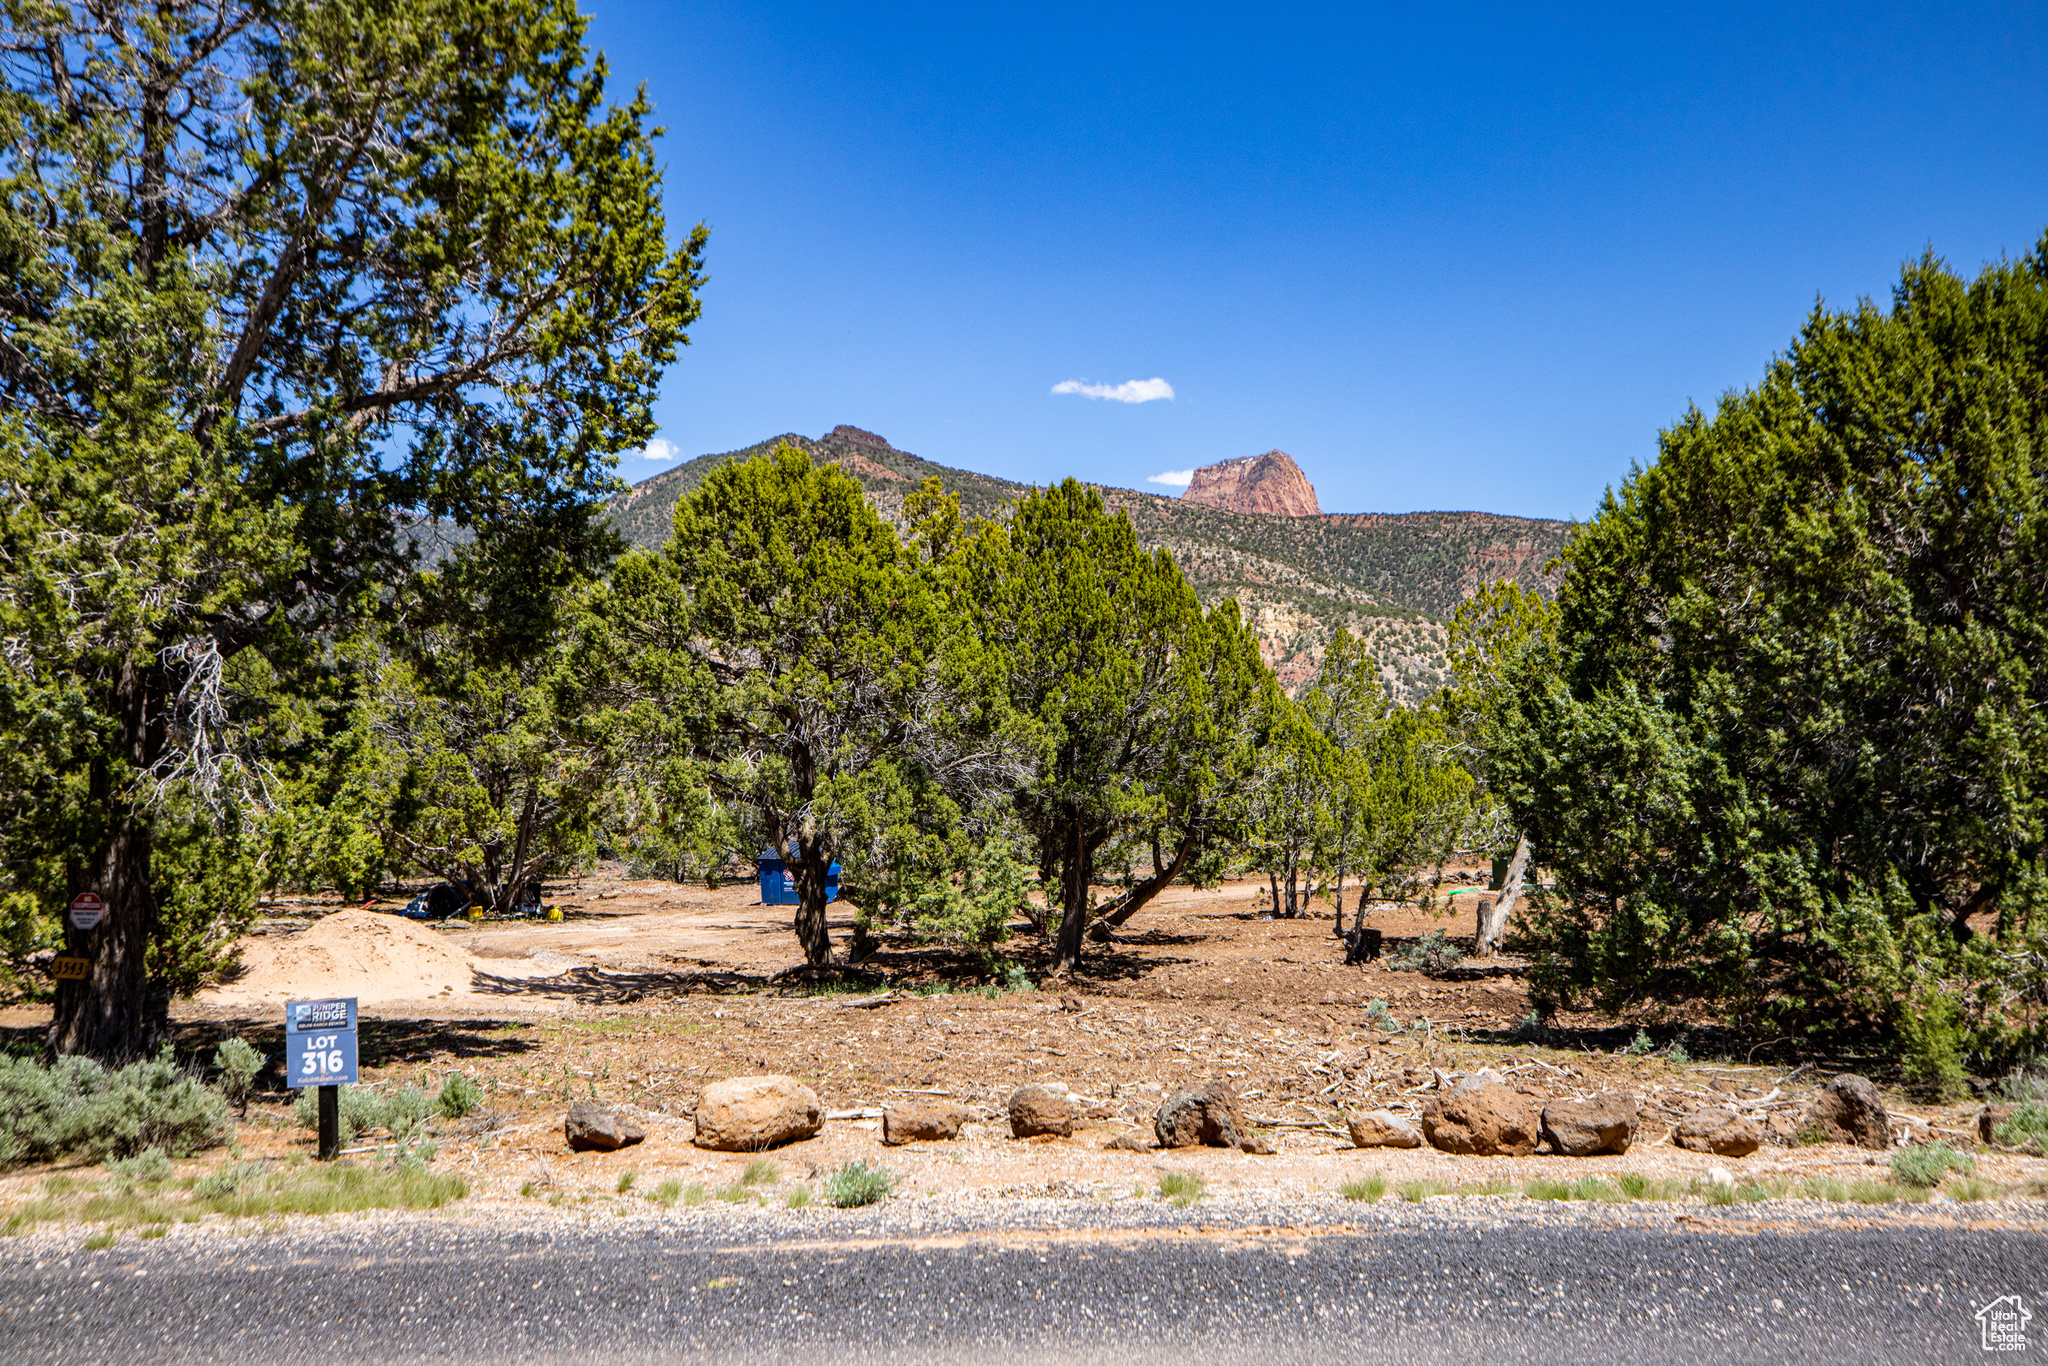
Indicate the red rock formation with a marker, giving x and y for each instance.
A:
(1271, 483)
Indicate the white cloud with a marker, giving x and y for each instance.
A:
(1130, 391)
(1177, 479)
(659, 449)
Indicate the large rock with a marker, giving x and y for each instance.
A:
(921, 1121)
(1384, 1129)
(1482, 1118)
(1036, 1110)
(1719, 1131)
(1210, 1116)
(599, 1128)
(1606, 1123)
(747, 1114)
(1849, 1110)
(1271, 483)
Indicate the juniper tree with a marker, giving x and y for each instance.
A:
(281, 278)
(1788, 753)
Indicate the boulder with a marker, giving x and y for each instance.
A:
(1719, 1131)
(1036, 1110)
(1210, 1116)
(1384, 1129)
(1482, 1118)
(921, 1121)
(1849, 1110)
(1130, 1143)
(747, 1114)
(1257, 1145)
(599, 1128)
(1586, 1128)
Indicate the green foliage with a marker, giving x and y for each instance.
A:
(1145, 708)
(627, 1180)
(1368, 1188)
(238, 1062)
(1182, 1188)
(401, 274)
(785, 661)
(1931, 1043)
(800, 1197)
(2026, 1127)
(402, 1112)
(857, 1184)
(1925, 1164)
(1790, 733)
(668, 1192)
(760, 1172)
(459, 1096)
(1432, 954)
(78, 1106)
(1377, 1016)
(1641, 1046)
(148, 1166)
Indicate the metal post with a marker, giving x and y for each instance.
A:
(330, 1123)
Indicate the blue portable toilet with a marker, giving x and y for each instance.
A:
(779, 889)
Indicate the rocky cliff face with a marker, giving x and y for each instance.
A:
(1271, 483)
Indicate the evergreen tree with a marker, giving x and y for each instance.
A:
(1789, 753)
(281, 281)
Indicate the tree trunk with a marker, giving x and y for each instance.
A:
(112, 1015)
(1496, 920)
(1337, 921)
(809, 869)
(1273, 884)
(1136, 899)
(1073, 922)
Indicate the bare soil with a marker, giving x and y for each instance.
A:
(644, 991)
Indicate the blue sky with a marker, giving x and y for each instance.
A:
(1445, 258)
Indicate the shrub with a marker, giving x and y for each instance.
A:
(1368, 1188)
(238, 1062)
(2025, 1127)
(75, 1105)
(459, 1096)
(403, 1112)
(668, 1192)
(1183, 1188)
(1974, 1188)
(1641, 1046)
(857, 1184)
(1379, 1017)
(626, 1181)
(1927, 1163)
(1931, 1047)
(760, 1171)
(800, 1198)
(1432, 954)
(1533, 1028)
(148, 1165)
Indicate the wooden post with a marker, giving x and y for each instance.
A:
(330, 1123)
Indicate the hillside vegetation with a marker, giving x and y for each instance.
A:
(1387, 577)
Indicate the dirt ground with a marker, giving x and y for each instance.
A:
(645, 991)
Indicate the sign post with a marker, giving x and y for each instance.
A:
(320, 1050)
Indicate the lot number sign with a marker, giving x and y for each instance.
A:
(320, 1042)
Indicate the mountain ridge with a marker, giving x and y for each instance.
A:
(1390, 577)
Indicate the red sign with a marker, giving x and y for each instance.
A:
(86, 910)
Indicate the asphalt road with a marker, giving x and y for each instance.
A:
(832, 1290)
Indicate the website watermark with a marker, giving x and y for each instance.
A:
(2003, 1324)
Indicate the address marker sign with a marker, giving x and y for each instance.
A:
(320, 1042)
